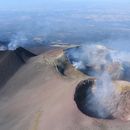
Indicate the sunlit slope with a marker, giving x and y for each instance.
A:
(39, 97)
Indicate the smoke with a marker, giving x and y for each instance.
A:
(97, 59)
(106, 65)
(16, 40)
(103, 99)
(82, 25)
(118, 44)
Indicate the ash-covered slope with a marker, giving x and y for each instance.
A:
(38, 97)
(11, 61)
(33, 94)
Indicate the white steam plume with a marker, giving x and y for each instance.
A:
(103, 98)
(18, 40)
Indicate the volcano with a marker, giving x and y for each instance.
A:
(94, 60)
(11, 61)
(115, 107)
(48, 92)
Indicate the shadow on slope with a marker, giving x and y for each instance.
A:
(11, 61)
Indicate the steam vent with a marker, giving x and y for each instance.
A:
(106, 94)
(78, 88)
(115, 105)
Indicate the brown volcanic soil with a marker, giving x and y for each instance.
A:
(113, 106)
(11, 61)
(37, 97)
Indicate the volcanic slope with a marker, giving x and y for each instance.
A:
(39, 97)
(11, 61)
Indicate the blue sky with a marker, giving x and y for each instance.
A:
(32, 4)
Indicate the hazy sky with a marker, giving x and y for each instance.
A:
(70, 21)
(34, 4)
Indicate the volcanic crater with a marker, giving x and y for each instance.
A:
(115, 107)
(106, 94)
